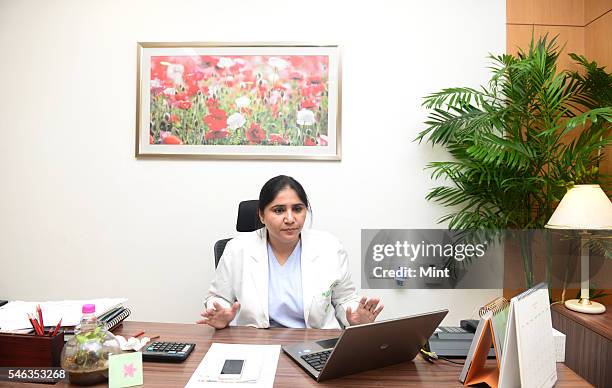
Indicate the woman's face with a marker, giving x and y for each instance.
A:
(284, 217)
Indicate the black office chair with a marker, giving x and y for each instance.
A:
(247, 221)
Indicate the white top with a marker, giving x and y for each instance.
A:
(285, 304)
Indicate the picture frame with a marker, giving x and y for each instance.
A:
(238, 101)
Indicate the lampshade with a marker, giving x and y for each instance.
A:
(583, 207)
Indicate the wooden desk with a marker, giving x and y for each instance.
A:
(588, 343)
(417, 373)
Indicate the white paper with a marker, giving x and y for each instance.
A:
(559, 339)
(259, 368)
(14, 315)
(132, 343)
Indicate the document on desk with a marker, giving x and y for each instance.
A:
(13, 315)
(259, 369)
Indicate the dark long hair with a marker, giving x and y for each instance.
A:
(271, 188)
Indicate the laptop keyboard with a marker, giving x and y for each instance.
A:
(317, 360)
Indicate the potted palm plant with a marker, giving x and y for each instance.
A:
(519, 142)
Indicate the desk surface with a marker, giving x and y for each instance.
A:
(417, 373)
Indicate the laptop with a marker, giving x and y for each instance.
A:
(365, 347)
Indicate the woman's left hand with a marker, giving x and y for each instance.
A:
(366, 312)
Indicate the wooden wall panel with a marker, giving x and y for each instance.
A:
(598, 40)
(546, 12)
(518, 36)
(519, 11)
(559, 12)
(595, 8)
(598, 47)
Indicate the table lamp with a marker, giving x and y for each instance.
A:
(584, 207)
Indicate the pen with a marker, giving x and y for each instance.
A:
(40, 319)
(138, 334)
(153, 338)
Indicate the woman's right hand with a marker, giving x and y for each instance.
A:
(218, 316)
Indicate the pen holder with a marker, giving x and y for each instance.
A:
(28, 350)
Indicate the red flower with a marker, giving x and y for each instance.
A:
(151, 141)
(216, 120)
(197, 75)
(310, 142)
(216, 134)
(184, 104)
(178, 97)
(296, 75)
(171, 139)
(315, 79)
(174, 119)
(307, 91)
(192, 88)
(319, 88)
(255, 134)
(208, 61)
(261, 91)
(296, 60)
(308, 104)
(212, 103)
(277, 138)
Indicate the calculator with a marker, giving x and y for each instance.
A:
(167, 351)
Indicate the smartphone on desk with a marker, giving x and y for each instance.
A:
(232, 370)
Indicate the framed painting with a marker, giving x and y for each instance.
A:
(238, 101)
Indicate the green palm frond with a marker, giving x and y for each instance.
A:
(512, 157)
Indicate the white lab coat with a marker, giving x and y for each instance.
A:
(327, 288)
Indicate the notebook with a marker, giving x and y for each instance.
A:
(13, 315)
(520, 331)
(111, 319)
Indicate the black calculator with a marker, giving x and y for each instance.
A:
(167, 351)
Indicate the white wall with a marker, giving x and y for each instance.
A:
(81, 217)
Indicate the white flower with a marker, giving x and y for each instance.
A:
(278, 63)
(175, 72)
(243, 102)
(305, 117)
(225, 62)
(170, 91)
(214, 89)
(235, 121)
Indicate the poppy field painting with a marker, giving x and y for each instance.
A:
(238, 101)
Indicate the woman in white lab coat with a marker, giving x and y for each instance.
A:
(283, 275)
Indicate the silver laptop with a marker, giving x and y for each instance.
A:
(385, 343)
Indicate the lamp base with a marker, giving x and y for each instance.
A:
(585, 306)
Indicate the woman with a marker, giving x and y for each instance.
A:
(284, 276)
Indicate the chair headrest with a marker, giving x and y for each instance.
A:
(248, 220)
